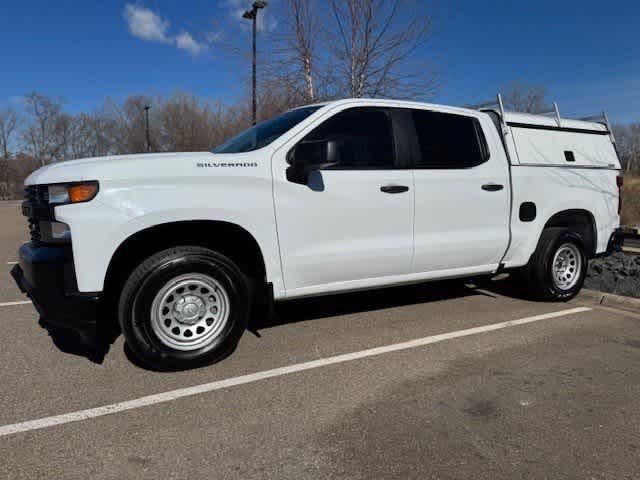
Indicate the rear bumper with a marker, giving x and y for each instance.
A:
(615, 241)
(46, 274)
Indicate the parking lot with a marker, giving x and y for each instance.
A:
(445, 380)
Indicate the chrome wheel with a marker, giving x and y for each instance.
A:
(190, 311)
(567, 266)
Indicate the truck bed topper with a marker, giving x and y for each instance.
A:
(547, 139)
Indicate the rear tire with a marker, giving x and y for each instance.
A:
(183, 307)
(558, 267)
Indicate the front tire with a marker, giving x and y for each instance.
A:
(558, 267)
(183, 307)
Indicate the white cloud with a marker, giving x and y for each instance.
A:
(145, 24)
(185, 41)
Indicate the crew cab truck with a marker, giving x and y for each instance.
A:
(347, 195)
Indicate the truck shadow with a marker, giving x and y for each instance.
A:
(308, 309)
(94, 346)
(506, 287)
(293, 311)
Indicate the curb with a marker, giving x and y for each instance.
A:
(594, 297)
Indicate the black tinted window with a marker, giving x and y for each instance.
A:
(363, 136)
(448, 141)
(266, 132)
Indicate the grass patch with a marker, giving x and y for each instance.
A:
(631, 201)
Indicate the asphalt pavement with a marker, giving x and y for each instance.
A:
(443, 380)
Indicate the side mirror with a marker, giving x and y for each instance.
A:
(309, 156)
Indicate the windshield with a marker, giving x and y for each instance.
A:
(266, 132)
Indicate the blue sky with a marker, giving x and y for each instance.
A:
(587, 53)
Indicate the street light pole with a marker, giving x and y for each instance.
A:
(253, 16)
(146, 112)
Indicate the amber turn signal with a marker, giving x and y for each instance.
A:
(82, 192)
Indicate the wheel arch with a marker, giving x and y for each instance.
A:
(579, 221)
(230, 239)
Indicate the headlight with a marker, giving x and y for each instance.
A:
(76, 192)
(58, 194)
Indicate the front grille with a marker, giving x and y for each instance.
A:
(34, 231)
(36, 196)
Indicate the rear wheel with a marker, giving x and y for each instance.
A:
(558, 267)
(184, 307)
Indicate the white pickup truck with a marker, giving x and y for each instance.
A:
(335, 197)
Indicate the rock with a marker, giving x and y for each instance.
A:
(618, 273)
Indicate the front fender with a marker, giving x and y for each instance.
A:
(99, 227)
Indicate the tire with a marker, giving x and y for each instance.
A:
(183, 307)
(562, 281)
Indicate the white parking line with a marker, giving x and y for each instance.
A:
(9, 304)
(277, 372)
(12, 263)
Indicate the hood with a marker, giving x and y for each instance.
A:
(122, 167)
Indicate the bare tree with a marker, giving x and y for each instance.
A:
(375, 46)
(61, 137)
(179, 123)
(44, 113)
(186, 124)
(20, 168)
(628, 143)
(295, 54)
(8, 125)
(521, 97)
(88, 136)
(129, 132)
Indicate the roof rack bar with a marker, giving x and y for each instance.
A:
(557, 111)
(501, 105)
(608, 125)
(503, 120)
(504, 128)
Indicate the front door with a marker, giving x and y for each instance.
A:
(353, 222)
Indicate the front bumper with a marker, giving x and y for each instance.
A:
(46, 274)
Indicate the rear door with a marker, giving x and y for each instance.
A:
(462, 195)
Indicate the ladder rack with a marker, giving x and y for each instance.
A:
(550, 111)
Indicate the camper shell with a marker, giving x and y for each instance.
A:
(547, 139)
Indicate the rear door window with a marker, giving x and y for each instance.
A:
(448, 141)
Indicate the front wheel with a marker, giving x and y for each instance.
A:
(183, 307)
(558, 267)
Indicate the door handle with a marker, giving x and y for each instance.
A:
(492, 187)
(394, 189)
